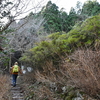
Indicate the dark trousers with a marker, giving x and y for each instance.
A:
(14, 76)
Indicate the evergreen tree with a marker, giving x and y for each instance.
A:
(51, 14)
(90, 8)
(72, 18)
(64, 20)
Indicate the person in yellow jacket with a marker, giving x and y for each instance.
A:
(15, 69)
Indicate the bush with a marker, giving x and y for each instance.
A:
(4, 87)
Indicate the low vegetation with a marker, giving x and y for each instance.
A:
(78, 75)
(4, 87)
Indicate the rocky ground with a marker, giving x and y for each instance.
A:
(17, 93)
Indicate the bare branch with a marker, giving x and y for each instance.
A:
(6, 26)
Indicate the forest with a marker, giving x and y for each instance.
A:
(60, 49)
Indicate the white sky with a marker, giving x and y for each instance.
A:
(67, 4)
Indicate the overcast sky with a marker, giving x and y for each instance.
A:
(67, 4)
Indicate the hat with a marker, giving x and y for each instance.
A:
(16, 63)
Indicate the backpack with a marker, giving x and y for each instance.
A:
(15, 69)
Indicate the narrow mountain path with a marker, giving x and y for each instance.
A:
(17, 93)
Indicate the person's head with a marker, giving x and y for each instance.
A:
(16, 63)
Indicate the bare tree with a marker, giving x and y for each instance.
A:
(27, 32)
(10, 11)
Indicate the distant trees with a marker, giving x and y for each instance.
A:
(26, 33)
(52, 16)
(58, 20)
(11, 11)
(90, 8)
(55, 20)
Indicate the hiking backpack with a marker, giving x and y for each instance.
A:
(15, 69)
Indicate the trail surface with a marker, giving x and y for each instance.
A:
(17, 92)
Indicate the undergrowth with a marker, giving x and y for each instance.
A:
(81, 71)
(4, 87)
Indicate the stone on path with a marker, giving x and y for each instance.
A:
(17, 92)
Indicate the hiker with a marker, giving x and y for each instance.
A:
(14, 71)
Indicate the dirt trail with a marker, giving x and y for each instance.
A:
(17, 92)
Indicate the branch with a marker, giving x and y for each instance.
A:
(6, 26)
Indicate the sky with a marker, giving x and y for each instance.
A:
(67, 4)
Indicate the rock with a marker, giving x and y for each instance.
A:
(77, 98)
